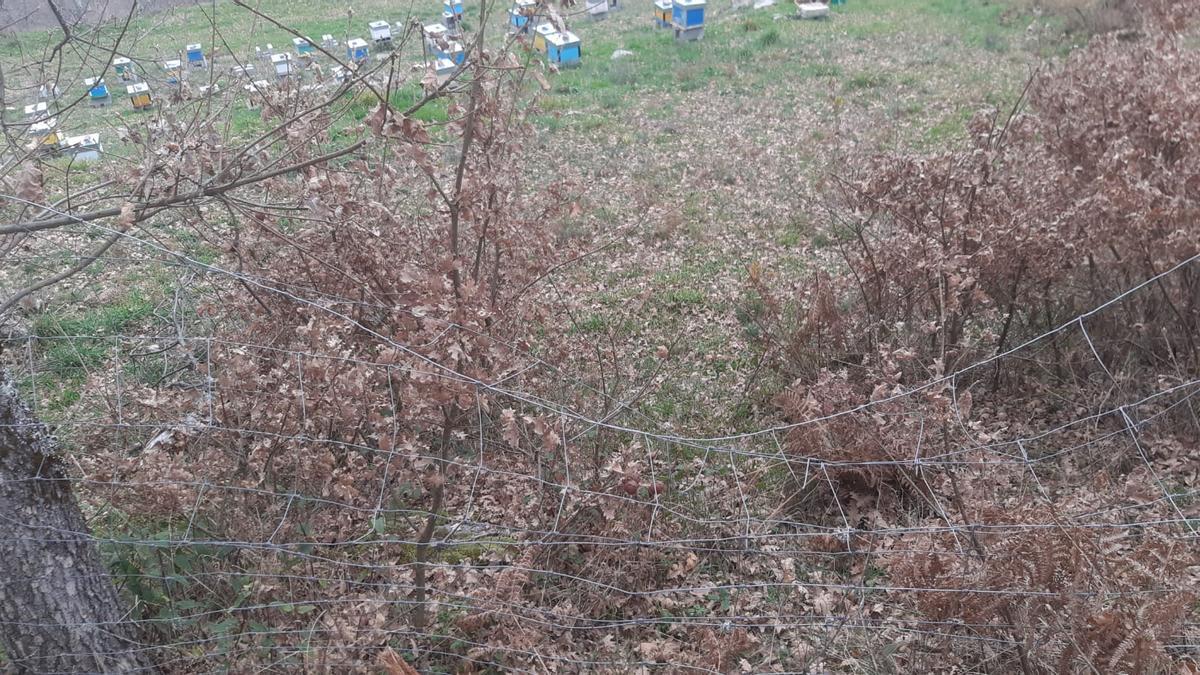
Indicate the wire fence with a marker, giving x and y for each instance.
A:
(241, 506)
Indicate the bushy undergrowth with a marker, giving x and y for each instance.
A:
(944, 263)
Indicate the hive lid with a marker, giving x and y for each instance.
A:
(546, 29)
(121, 61)
(137, 88)
(86, 140)
(563, 39)
(93, 81)
(355, 43)
(690, 3)
(193, 48)
(171, 65)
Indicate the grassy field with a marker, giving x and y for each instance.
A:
(692, 161)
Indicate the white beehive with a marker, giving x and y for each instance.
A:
(381, 32)
(37, 111)
(328, 41)
(444, 68)
(256, 92)
(597, 9)
(435, 35)
(282, 62)
(812, 10)
(85, 148)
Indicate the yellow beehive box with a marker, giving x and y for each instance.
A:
(139, 95)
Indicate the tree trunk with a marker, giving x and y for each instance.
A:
(59, 611)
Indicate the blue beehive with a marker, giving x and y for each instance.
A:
(563, 48)
(686, 14)
(97, 91)
(195, 56)
(518, 15)
(303, 46)
(356, 50)
(453, 51)
(454, 7)
(124, 68)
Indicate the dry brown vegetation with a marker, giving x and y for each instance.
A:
(379, 426)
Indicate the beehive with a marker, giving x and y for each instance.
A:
(539, 36)
(124, 68)
(444, 68)
(435, 35)
(518, 15)
(139, 95)
(171, 70)
(256, 93)
(662, 13)
(37, 111)
(328, 41)
(453, 51)
(282, 63)
(85, 148)
(381, 33)
(303, 46)
(687, 14)
(356, 50)
(48, 92)
(453, 23)
(245, 71)
(563, 48)
(98, 95)
(812, 10)
(195, 56)
(597, 9)
(45, 135)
